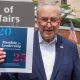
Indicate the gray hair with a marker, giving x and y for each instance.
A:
(57, 7)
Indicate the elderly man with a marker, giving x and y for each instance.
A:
(54, 58)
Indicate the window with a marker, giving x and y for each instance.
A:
(63, 1)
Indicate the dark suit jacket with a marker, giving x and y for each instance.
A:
(66, 67)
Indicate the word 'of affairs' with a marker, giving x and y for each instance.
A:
(8, 16)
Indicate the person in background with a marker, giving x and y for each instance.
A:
(54, 57)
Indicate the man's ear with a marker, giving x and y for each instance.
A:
(37, 21)
(60, 21)
(36, 24)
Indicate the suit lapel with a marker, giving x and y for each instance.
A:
(37, 57)
(59, 56)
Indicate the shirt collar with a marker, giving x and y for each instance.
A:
(41, 41)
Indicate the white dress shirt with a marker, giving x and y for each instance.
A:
(48, 55)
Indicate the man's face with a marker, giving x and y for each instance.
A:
(48, 22)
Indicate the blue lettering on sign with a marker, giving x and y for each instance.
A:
(5, 31)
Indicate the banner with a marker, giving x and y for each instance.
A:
(19, 0)
(18, 45)
(17, 13)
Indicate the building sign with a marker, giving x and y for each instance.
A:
(16, 13)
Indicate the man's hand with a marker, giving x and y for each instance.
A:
(2, 55)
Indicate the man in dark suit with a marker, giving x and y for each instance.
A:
(54, 57)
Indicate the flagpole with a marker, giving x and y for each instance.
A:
(72, 35)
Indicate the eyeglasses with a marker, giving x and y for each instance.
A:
(46, 20)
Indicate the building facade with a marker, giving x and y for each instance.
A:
(75, 4)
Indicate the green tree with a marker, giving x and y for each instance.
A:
(35, 2)
(67, 16)
(66, 11)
